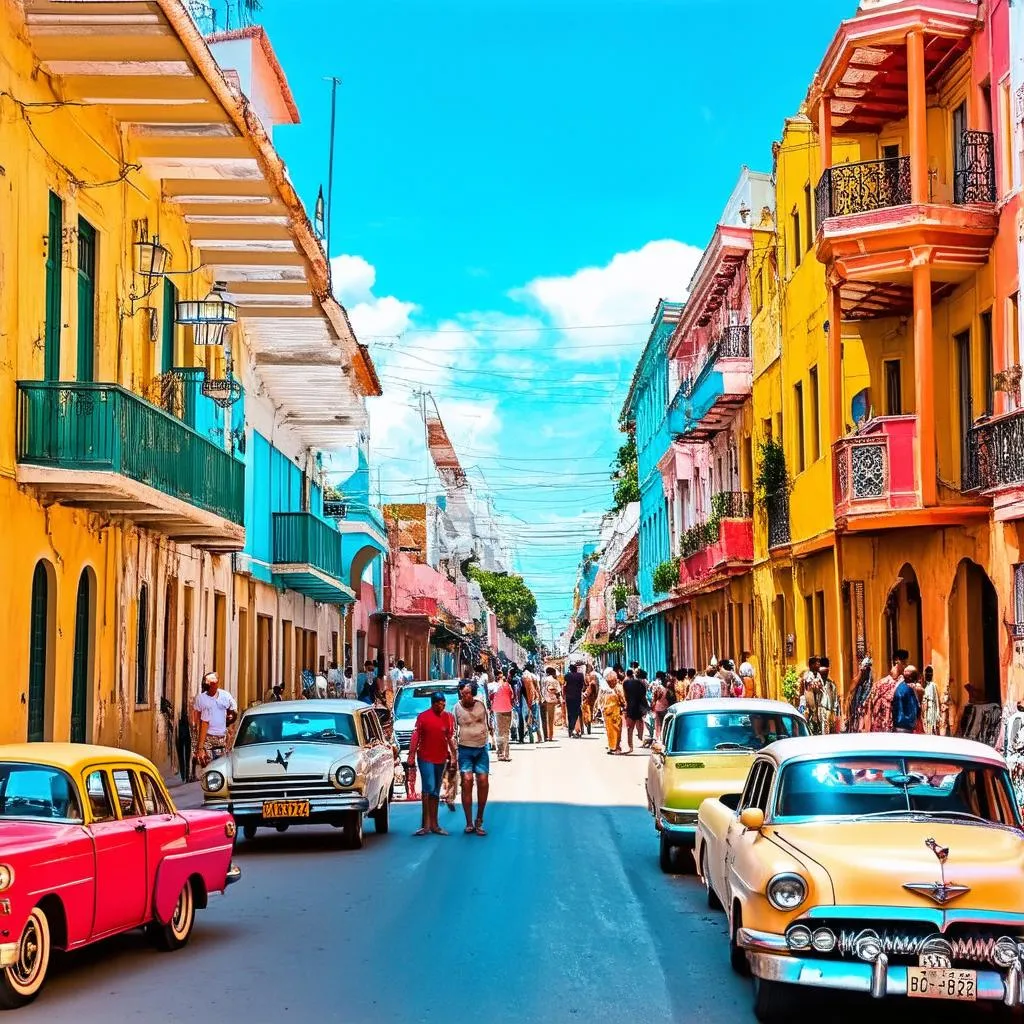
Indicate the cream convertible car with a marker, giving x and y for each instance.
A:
(305, 762)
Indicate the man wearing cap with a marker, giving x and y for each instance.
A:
(213, 711)
(433, 739)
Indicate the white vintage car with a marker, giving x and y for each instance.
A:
(305, 762)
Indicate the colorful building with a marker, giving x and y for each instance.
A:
(177, 381)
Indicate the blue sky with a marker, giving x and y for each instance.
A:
(529, 165)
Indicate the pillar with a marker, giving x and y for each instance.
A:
(917, 118)
(835, 366)
(924, 383)
(825, 131)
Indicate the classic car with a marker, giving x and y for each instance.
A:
(91, 845)
(889, 864)
(305, 762)
(706, 749)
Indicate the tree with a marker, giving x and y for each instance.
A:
(512, 602)
(625, 475)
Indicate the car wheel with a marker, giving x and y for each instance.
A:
(20, 983)
(176, 932)
(773, 1000)
(382, 817)
(737, 955)
(249, 830)
(666, 855)
(713, 901)
(281, 828)
(354, 831)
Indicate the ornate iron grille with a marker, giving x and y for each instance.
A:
(995, 453)
(868, 474)
(857, 188)
(335, 509)
(735, 342)
(975, 178)
(733, 504)
(778, 520)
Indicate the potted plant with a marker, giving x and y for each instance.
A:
(666, 576)
(1008, 381)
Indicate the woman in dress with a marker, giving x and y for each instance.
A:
(613, 700)
(860, 700)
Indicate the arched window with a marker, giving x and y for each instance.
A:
(81, 668)
(40, 651)
(142, 648)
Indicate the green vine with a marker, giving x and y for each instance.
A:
(597, 650)
(791, 685)
(625, 475)
(772, 474)
(666, 576)
(620, 595)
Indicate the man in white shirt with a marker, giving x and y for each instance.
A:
(213, 711)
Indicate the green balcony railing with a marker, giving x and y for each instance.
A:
(302, 539)
(83, 425)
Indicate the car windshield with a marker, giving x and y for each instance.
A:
(36, 791)
(310, 726)
(746, 730)
(412, 700)
(896, 786)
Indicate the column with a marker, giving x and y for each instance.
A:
(917, 115)
(924, 384)
(825, 131)
(835, 366)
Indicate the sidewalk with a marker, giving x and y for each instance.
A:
(186, 795)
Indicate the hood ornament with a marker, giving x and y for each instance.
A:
(941, 891)
(282, 759)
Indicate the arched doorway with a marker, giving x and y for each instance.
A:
(974, 635)
(903, 627)
(40, 652)
(81, 668)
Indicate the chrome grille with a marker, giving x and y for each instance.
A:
(403, 736)
(295, 787)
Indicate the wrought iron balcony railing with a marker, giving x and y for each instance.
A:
(995, 453)
(733, 343)
(733, 505)
(860, 187)
(79, 425)
(302, 539)
(777, 506)
(974, 179)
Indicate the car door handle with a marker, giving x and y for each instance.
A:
(141, 827)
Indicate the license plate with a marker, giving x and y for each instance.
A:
(942, 983)
(285, 808)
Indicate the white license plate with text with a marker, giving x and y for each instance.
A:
(942, 983)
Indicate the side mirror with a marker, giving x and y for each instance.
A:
(752, 819)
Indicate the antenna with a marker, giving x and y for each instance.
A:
(335, 82)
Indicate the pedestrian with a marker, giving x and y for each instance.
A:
(474, 759)
(906, 708)
(590, 698)
(214, 711)
(881, 713)
(549, 700)
(366, 683)
(348, 684)
(712, 681)
(635, 692)
(810, 690)
(930, 703)
(501, 704)
(613, 700)
(575, 684)
(829, 706)
(334, 680)
(431, 747)
(518, 709)
(732, 684)
(660, 702)
(320, 685)
(531, 695)
(859, 714)
(748, 675)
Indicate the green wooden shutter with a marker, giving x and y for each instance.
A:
(80, 664)
(86, 300)
(54, 258)
(37, 650)
(167, 326)
(142, 648)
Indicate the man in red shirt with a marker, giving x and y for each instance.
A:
(433, 738)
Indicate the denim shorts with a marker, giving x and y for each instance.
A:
(474, 760)
(431, 776)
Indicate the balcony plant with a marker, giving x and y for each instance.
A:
(791, 686)
(772, 475)
(620, 595)
(666, 576)
(1008, 381)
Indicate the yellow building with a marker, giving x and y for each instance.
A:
(126, 450)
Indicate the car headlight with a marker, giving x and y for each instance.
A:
(6, 876)
(345, 775)
(786, 892)
(212, 781)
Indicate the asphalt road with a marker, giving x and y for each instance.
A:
(560, 914)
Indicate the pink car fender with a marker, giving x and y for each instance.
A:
(205, 858)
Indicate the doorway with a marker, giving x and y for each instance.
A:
(186, 650)
(965, 399)
(903, 620)
(974, 631)
(86, 369)
(81, 666)
(264, 655)
(40, 652)
(54, 267)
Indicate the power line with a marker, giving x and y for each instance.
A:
(484, 329)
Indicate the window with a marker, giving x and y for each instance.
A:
(809, 630)
(153, 801)
(797, 241)
(32, 791)
(142, 648)
(1006, 126)
(131, 806)
(766, 428)
(1014, 329)
(756, 293)
(701, 731)
(1018, 593)
(86, 300)
(815, 415)
(101, 806)
(759, 786)
(809, 216)
(313, 726)
(891, 370)
(819, 621)
(371, 727)
(986, 363)
(798, 415)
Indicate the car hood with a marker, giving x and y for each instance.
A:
(689, 779)
(870, 862)
(18, 837)
(264, 760)
(405, 724)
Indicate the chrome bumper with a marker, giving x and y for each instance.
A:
(250, 808)
(876, 979)
(681, 833)
(8, 953)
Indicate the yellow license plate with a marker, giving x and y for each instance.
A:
(285, 808)
(942, 983)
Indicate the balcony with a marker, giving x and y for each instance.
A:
(101, 447)
(777, 508)
(875, 470)
(721, 381)
(308, 558)
(995, 463)
(723, 545)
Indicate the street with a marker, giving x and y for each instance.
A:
(560, 914)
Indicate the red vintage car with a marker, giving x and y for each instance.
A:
(92, 845)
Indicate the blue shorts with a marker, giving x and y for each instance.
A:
(431, 776)
(474, 760)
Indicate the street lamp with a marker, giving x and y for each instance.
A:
(209, 318)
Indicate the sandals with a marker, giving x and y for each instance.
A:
(470, 829)
(479, 829)
(439, 832)
(421, 832)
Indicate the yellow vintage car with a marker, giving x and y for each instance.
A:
(888, 864)
(706, 750)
